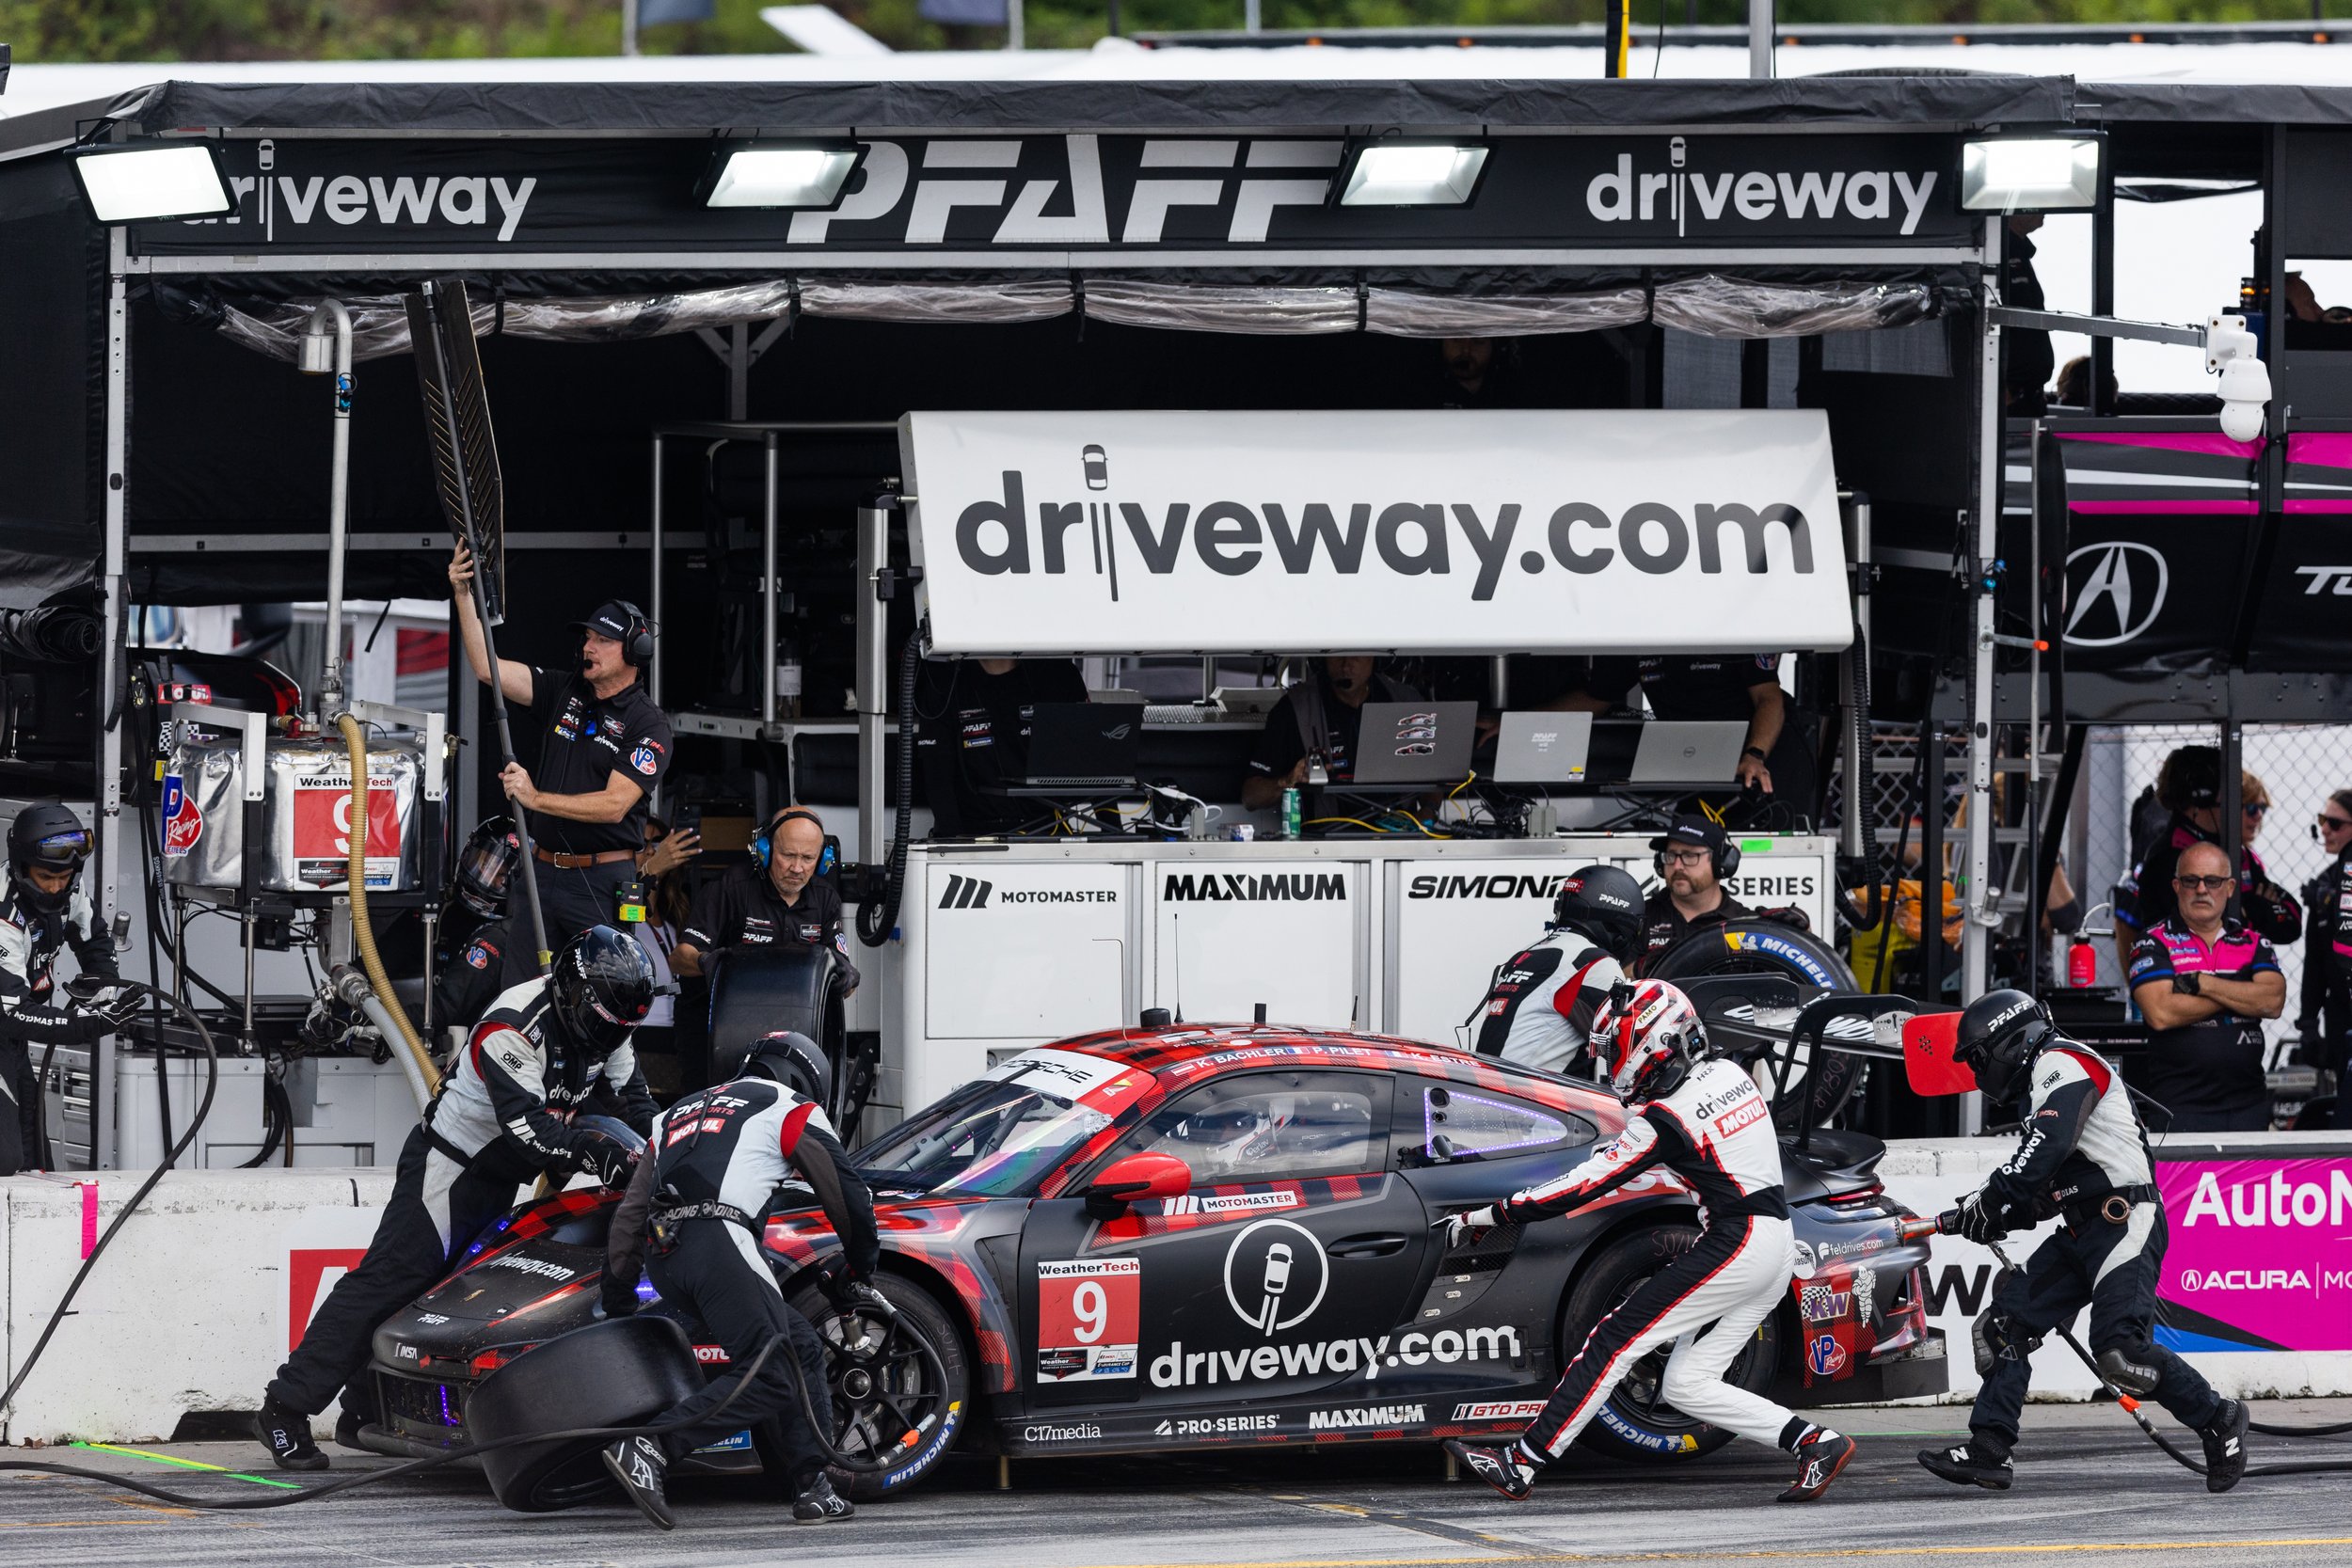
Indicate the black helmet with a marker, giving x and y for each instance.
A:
(46, 834)
(603, 986)
(2000, 1033)
(1604, 904)
(790, 1058)
(485, 866)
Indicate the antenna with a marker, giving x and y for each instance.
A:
(1260, 1017)
(1176, 940)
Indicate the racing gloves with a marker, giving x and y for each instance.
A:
(1459, 1228)
(613, 1166)
(1981, 1219)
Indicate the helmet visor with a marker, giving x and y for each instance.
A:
(62, 851)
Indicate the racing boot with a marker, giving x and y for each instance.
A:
(1982, 1461)
(1507, 1469)
(2225, 1446)
(820, 1504)
(1821, 1455)
(286, 1434)
(641, 1467)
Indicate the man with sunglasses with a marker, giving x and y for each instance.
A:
(2204, 982)
(2189, 787)
(2325, 1020)
(43, 907)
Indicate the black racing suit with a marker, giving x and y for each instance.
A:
(711, 1175)
(2083, 1155)
(29, 1021)
(503, 1118)
(495, 959)
(1663, 926)
(2323, 1014)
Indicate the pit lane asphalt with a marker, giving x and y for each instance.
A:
(2091, 1491)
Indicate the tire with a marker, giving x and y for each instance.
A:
(1825, 1081)
(618, 1372)
(1632, 1423)
(897, 1399)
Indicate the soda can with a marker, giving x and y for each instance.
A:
(1242, 833)
(1290, 814)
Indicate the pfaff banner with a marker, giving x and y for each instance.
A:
(1006, 194)
(1444, 530)
(2261, 1256)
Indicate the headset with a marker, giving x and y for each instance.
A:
(1726, 859)
(763, 842)
(637, 641)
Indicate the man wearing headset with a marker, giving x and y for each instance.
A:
(781, 896)
(603, 748)
(1693, 858)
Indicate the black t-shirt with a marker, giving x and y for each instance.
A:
(1689, 686)
(742, 908)
(1283, 740)
(972, 732)
(584, 740)
(1663, 925)
(493, 959)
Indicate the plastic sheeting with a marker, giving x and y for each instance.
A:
(1406, 313)
(1268, 309)
(1715, 307)
(944, 303)
(379, 325)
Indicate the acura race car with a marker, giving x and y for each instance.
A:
(1206, 1236)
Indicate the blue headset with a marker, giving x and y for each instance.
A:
(763, 842)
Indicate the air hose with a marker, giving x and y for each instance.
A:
(875, 919)
(361, 932)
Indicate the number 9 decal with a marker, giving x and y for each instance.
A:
(1088, 1313)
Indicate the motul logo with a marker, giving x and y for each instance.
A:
(966, 892)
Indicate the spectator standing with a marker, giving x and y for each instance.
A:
(2204, 982)
(2189, 787)
(2324, 1016)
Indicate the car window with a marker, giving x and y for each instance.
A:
(1447, 1124)
(1271, 1126)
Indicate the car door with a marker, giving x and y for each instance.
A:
(1286, 1268)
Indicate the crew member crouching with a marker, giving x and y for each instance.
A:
(1540, 1009)
(552, 1048)
(43, 907)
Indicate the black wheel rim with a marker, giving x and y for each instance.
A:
(883, 1383)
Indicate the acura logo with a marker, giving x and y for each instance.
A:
(2117, 592)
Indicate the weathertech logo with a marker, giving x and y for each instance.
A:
(966, 892)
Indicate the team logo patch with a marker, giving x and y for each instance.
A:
(644, 760)
(478, 956)
(1821, 1303)
(182, 822)
(1825, 1355)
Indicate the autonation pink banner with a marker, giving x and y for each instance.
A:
(2261, 1257)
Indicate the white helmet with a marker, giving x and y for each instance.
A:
(1648, 1044)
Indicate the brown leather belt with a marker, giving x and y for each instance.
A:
(574, 863)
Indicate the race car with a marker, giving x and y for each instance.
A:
(1205, 1236)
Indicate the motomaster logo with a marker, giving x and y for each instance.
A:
(1242, 887)
(966, 892)
(1402, 538)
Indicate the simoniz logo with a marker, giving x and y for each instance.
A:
(1491, 885)
(1242, 887)
(966, 892)
(1347, 536)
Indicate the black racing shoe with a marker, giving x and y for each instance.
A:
(286, 1434)
(1500, 1468)
(1973, 1463)
(347, 1427)
(2225, 1446)
(641, 1467)
(820, 1504)
(1819, 1459)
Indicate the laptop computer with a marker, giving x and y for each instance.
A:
(1081, 745)
(1703, 753)
(1413, 743)
(1542, 748)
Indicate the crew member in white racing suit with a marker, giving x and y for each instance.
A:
(1703, 1119)
(2083, 1155)
(548, 1050)
(691, 1215)
(43, 907)
(1540, 1009)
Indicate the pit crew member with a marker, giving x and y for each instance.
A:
(1540, 1007)
(1318, 721)
(2205, 983)
(690, 1218)
(552, 1047)
(781, 896)
(1703, 1119)
(43, 907)
(1694, 856)
(2083, 1155)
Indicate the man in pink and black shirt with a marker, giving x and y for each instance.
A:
(2204, 982)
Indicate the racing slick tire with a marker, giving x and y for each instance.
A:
(874, 1393)
(614, 1373)
(1825, 1081)
(1633, 1423)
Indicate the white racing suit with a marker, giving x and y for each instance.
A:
(1540, 1009)
(31, 1021)
(1715, 1131)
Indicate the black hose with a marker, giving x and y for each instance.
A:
(875, 919)
(277, 1122)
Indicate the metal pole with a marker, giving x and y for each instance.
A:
(106, 863)
(628, 29)
(1980, 914)
(768, 594)
(873, 679)
(1252, 19)
(338, 505)
(1016, 24)
(1760, 40)
(653, 669)
(1931, 864)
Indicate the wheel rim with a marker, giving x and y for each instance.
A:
(882, 1380)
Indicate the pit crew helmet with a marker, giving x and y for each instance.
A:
(46, 834)
(1999, 1035)
(1604, 904)
(1649, 1042)
(485, 866)
(790, 1058)
(602, 987)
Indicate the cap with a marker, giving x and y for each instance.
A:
(611, 619)
(1693, 830)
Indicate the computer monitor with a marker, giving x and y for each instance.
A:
(1543, 748)
(1413, 743)
(1703, 754)
(1081, 745)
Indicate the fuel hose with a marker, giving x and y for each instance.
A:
(362, 933)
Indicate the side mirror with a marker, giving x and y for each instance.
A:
(1137, 1177)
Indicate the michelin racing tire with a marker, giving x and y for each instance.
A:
(615, 1373)
(878, 1397)
(1823, 1084)
(1633, 1424)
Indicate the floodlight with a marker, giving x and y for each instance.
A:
(151, 182)
(1392, 173)
(2029, 174)
(780, 174)
(2231, 350)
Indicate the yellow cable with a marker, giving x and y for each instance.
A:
(1466, 782)
(1352, 822)
(1417, 823)
(356, 875)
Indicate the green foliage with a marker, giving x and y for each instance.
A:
(57, 30)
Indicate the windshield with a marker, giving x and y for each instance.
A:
(1001, 1135)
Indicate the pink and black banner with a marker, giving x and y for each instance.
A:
(2261, 1255)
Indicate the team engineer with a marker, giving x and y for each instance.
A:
(776, 899)
(1723, 687)
(1318, 718)
(1695, 856)
(603, 748)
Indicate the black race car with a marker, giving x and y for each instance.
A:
(1213, 1235)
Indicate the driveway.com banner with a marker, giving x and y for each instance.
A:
(2261, 1256)
(1437, 530)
